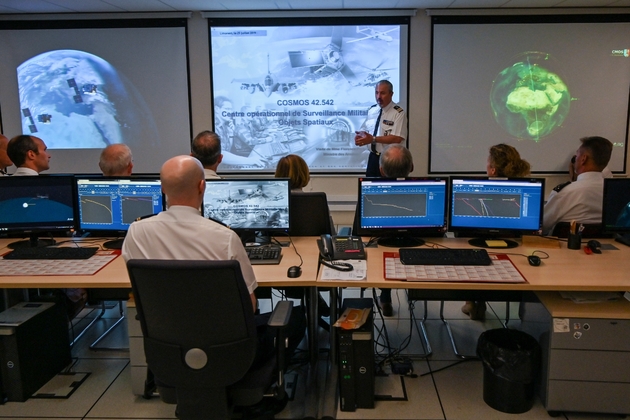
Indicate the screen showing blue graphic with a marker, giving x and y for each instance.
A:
(500, 205)
(403, 203)
(248, 204)
(109, 205)
(31, 204)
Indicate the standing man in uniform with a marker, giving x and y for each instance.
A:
(385, 124)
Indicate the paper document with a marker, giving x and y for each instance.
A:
(358, 273)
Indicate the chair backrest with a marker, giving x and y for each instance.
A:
(184, 305)
(309, 214)
(561, 230)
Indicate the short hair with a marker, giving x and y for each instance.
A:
(294, 168)
(385, 82)
(396, 161)
(19, 146)
(507, 161)
(206, 146)
(598, 148)
(115, 159)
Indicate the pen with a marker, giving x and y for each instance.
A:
(572, 229)
(581, 228)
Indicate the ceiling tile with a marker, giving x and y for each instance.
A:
(143, 5)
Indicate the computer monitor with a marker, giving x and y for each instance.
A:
(491, 209)
(400, 212)
(106, 206)
(616, 209)
(249, 206)
(36, 205)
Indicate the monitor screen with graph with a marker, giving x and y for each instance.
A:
(107, 206)
(402, 211)
(493, 208)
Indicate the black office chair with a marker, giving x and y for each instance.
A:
(200, 336)
(595, 230)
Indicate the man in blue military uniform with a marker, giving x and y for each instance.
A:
(385, 124)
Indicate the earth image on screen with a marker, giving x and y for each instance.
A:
(528, 100)
(74, 99)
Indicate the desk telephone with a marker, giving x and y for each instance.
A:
(341, 248)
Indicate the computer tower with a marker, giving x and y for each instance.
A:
(356, 361)
(34, 347)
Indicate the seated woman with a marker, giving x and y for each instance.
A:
(294, 168)
(503, 161)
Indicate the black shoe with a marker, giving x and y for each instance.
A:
(386, 308)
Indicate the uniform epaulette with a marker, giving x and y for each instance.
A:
(372, 106)
(398, 108)
(559, 187)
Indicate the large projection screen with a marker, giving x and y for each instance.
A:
(301, 86)
(537, 83)
(81, 85)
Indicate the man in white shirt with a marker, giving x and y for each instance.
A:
(116, 160)
(29, 154)
(580, 200)
(206, 147)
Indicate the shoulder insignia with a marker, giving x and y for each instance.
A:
(559, 187)
(398, 108)
(372, 106)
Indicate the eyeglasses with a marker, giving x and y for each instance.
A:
(573, 159)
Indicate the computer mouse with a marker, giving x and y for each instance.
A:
(294, 271)
(533, 260)
(594, 246)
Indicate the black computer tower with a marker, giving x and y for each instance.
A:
(34, 347)
(356, 361)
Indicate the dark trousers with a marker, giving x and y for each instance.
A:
(373, 169)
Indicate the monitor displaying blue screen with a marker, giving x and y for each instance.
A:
(496, 205)
(248, 204)
(36, 203)
(616, 205)
(404, 207)
(109, 205)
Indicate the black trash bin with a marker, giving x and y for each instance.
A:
(511, 363)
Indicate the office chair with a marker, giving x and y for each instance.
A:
(561, 230)
(200, 336)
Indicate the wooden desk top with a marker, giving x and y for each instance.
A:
(564, 270)
(114, 275)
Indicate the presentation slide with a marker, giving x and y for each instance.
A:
(304, 90)
(539, 87)
(81, 89)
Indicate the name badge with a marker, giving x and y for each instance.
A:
(388, 122)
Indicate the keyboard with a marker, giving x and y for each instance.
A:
(46, 253)
(264, 254)
(444, 256)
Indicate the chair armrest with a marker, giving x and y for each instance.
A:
(280, 316)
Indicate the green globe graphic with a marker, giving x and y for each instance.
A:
(528, 100)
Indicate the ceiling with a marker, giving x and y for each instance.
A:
(113, 6)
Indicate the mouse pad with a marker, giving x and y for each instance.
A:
(608, 247)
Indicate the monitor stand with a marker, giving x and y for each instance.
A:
(493, 243)
(623, 238)
(399, 241)
(114, 244)
(32, 242)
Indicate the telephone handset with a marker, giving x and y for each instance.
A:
(341, 247)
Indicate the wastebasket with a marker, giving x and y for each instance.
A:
(511, 363)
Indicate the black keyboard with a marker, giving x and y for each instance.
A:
(264, 254)
(444, 256)
(45, 253)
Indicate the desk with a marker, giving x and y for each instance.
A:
(564, 270)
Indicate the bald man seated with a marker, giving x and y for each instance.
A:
(116, 160)
(182, 233)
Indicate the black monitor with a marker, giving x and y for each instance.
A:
(400, 212)
(616, 209)
(36, 205)
(249, 206)
(106, 206)
(492, 209)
